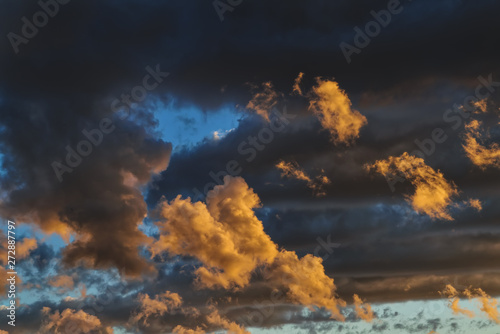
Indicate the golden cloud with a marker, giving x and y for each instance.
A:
(433, 193)
(333, 108)
(229, 240)
(161, 304)
(479, 154)
(363, 310)
(306, 281)
(293, 170)
(488, 304)
(224, 234)
(263, 101)
(214, 318)
(71, 321)
(296, 84)
(182, 330)
(452, 294)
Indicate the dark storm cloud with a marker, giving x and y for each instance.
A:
(103, 43)
(60, 84)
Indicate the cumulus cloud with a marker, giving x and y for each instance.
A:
(433, 193)
(333, 107)
(229, 240)
(293, 170)
(224, 234)
(480, 155)
(161, 304)
(264, 100)
(69, 321)
(363, 310)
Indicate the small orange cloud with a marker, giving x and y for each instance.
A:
(160, 305)
(363, 311)
(479, 154)
(481, 105)
(452, 294)
(296, 85)
(293, 170)
(433, 193)
(264, 101)
(182, 330)
(474, 203)
(488, 304)
(333, 108)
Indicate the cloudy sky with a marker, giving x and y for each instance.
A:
(246, 166)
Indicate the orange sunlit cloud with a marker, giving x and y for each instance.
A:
(334, 109)
(227, 237)
(158, 306)
(363, 310)
(433, 193)
(70, 320)
(452, 294)
(480, 155)
(488, 304)
(296, 84)
(293, 170)
(263, 101)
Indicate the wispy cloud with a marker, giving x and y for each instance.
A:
(480, 155)
(293, 170)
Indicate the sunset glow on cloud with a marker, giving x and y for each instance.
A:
(334, 109)
(433, 193)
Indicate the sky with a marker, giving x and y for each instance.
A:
(237, 166)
